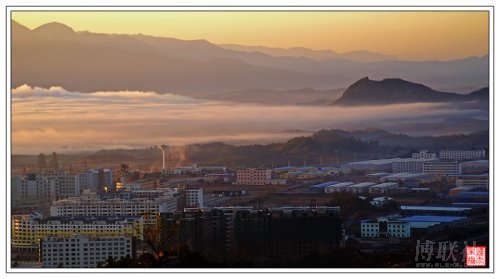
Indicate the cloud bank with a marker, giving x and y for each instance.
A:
(54, 119)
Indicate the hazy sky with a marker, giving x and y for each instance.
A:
(408, 35)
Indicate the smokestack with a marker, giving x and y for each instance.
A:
(164, 149)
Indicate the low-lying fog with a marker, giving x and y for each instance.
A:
(46, 120)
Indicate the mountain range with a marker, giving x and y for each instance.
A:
(398, 91)
(358, 55)
(323, 145)
(55, 55)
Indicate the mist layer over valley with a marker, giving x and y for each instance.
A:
(71, 122)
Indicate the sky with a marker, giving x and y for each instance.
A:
(421, 35)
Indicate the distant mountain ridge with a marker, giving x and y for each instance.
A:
(398, 91)
(358, 55)
(323, 145)
(55, 55)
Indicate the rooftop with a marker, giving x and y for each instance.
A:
(379, 174)
(421, 218)
(434, 208)
(343, 184)
(469, 175)
(377, 162)
(323, 185)
(477, 161)
(364, 184)
(406, 175)
(386, 184)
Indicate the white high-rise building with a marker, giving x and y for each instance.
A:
(44, 187)
(194, 197)
(96, 179)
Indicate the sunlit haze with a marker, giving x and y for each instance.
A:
(73, 122)
(407, 35)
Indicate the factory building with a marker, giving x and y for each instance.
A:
(360, 187)
(337, 188)
(407, 179)
(409, 210)
(383, 188)
(373, 165)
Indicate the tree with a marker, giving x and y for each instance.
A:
(157, 236)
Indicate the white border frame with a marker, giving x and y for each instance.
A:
(35, 6)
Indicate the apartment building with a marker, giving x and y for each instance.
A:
(78, 251)
(112, 207)
(253, 176)
(194, 197)
(27, 230)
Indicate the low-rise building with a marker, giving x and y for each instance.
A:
(383, 188)
(380, 201)
(475, 167)
(337, 188)
(462, 154)
(457, 190)
(442, 167)
(373, 165)
(384, 228)
(425, 221)
(407, 179)
(473, 180)
(409, 165)
(360, 187)
(424, 154)
(78, 251)
(253, 176)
